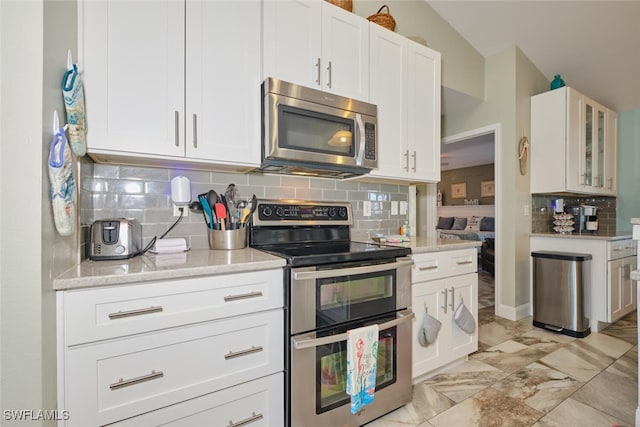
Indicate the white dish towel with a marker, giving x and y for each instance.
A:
(362, 353)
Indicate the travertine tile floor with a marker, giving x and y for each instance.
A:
(526, 376)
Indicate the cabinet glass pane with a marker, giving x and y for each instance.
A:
(588, 146)
(599, 182)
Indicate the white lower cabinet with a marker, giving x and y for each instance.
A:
(440, 281)
(257, 403)
(622, 290)
(161, 348)
(612, 293)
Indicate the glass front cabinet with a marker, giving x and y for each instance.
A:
(573, 144)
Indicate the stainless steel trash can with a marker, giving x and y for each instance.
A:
(561, 282)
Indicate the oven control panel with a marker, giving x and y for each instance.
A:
(307, 212)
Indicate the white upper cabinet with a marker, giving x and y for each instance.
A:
(171, 79)
(316, 44)
(405, 85)
(573, 144)
(223, 81)
(132, 64)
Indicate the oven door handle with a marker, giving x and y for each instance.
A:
(323, 274)
(299, 344)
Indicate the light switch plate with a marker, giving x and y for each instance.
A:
(366, 208)
(394, 208)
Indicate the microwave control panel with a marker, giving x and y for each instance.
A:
(370, 141)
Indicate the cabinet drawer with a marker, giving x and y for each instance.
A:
(621, 249)
(258, 403)
(436, 265)
(97, 314)
(117, 379)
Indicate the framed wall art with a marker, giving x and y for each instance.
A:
(487, 189)
(459, 190)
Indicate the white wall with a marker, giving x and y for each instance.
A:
(510, 80)
(21, 171)
(34, 37)
(462, 66)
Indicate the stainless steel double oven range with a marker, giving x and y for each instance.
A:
(333, 285)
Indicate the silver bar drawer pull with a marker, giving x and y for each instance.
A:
(136, 312)
(246, 421)
(431, 267)
(254, 294)
(464, 262)
(154, 375)
(234, 354)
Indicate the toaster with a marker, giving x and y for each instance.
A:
(118, 238)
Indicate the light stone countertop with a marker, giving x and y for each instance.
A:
(618, 235)
(635, 221)
(151, 267)
(419, 244)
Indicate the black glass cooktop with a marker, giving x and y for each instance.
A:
(309, 254)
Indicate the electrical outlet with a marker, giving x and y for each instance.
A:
(404, 207)
(366, 208)
(526, 210)
(176, 210)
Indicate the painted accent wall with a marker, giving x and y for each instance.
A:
(472, 177)
(628, 171)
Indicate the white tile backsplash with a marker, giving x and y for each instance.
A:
(145, 194)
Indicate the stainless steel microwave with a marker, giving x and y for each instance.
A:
(309, 132)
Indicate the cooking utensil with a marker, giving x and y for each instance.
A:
(223, 200)
(254, 206)
(206, 209)
(230, 197)
(245, 215)
(221, 214)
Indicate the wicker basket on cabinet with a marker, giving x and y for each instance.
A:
(345, 4)
(384, 19)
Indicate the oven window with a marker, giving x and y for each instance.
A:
(332, 370)
(345, 298)
(317, 132)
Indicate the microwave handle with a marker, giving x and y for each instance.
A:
(362, 141)
(299, 344)
(323, 274)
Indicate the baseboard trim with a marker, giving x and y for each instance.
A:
(514, 313)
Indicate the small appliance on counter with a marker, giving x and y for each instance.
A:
(117, 238)
(585, 218)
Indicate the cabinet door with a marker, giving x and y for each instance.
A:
(388, 87)
(132, 60)
(594, 145)
(292, 41)
(423, 112)
(462, 288)
(575, 155)
(428, 297)
(223, 81)
(345, 53)
(611, 154)
(622, 290)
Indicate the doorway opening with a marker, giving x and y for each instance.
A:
(472, 149)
